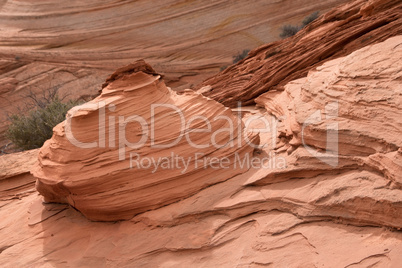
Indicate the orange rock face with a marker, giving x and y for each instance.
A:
(327, 206)
(74, 46)
(324, 189)
(341, 125)
(139, 146)
(337, 33)
(15, 177)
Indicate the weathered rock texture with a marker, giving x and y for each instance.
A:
(15, 176)
(337, 33)
(75, 45)
(113, 179)
(307, 214)
(347, 114)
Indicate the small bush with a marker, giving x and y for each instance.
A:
(240, 56)
(289, 30)
(310, 18)
(32, 130)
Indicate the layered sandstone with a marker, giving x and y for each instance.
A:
(335, 34)
(73, 46)
(139, 146)
(326, 207)
(341, 128)
(15, 177)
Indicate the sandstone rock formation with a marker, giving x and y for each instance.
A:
(337, 33)
(106, 159)
(15, 177)
(75, 45)
(328, 207)
(342, 124)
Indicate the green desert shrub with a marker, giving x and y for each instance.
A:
(310, 18)
(290, 30)
(240, 56)
(30, 131)
(237, 58)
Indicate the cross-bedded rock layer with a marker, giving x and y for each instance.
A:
(329, 206)
(139, 146)
(73, 46)
(335, 34)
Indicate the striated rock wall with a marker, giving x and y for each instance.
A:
(107, 158)
(324, 208)
(335, 34)
(15, 177)
(341, 128)
(75, 45)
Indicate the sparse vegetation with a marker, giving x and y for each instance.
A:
(237, 58)
(310, 18)
(240, 56)
(30, 131)
(290, 30)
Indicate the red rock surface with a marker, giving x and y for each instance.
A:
(337, 33)
(15, 177)
(75, 45)
(348, 115)
(326, 207)
(114, 181)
